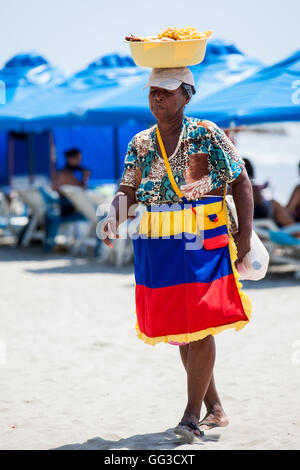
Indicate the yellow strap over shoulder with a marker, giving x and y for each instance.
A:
(169, 171)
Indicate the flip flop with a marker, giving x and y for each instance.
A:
(189, 436)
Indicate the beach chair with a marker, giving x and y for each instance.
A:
(10, 223)
(56, 224)
(37, 207)
(283, 247)
(86, 205)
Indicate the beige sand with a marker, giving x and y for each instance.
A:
(76, 376)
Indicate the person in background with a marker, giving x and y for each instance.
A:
(293, 205)
(272, 209)
(73, 174)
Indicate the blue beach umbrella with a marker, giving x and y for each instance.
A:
(22, 78)
(223, 65)
(26, 73)
(110, 90)
(66, 104)
(270, 95)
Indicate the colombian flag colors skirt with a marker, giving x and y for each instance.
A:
(187, 286)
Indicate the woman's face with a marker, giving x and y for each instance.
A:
(167, 104)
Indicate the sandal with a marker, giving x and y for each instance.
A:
(189, 435)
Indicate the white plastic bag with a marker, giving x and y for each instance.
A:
(255, 264)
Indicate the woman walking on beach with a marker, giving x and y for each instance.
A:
(187, 287)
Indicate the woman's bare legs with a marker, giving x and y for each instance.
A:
(199, 364)
(215, 416)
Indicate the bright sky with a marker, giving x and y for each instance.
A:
(72, 33)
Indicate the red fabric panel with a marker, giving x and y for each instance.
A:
(187, 308)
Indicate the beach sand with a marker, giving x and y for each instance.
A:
(75, 376)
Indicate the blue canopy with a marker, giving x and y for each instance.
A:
(270, 95)
(223, 65)
(22, 78)
(25, 74)
(65, 105)
(60, 108)
(86, 99)
(110, 91)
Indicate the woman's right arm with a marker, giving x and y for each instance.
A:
(121, 208)
(124, 202)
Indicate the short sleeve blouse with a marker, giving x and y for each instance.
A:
(204, 153)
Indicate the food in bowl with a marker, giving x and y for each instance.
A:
(172, 34)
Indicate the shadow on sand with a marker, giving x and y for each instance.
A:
(84, 267)
(67, 263)
(166, 440)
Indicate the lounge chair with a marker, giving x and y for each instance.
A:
(122, 252)
(33, 199)
(85, 207)
(283, 247)
(10, 223)
(57, 224)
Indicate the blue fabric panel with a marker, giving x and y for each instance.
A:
(180, 265)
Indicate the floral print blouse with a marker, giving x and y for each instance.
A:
(204, 153)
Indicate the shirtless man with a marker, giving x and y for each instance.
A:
(73, 173)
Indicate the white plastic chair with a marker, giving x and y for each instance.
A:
(281, 253)
(33, 199)
(10, 223)
(86, 205)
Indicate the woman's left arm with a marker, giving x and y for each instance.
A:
(243, 198)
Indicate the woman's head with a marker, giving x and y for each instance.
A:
(166, 104)
(170, 92)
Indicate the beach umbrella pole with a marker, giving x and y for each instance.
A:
(30, 158)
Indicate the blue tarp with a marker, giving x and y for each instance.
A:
(223, 65)
(25, 74)
(103, 150)
(109, 93)
(110, 90)
(66, 104)
(270, 95)
(22, 79)
(103, 146)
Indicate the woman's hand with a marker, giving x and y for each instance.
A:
(108, 230)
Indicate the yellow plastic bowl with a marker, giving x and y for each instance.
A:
(168, 54)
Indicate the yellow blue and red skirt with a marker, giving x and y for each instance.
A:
(187, 285)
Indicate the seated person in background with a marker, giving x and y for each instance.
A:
(293, 205)
(72, 174)
(263, 208)
(267, 209)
